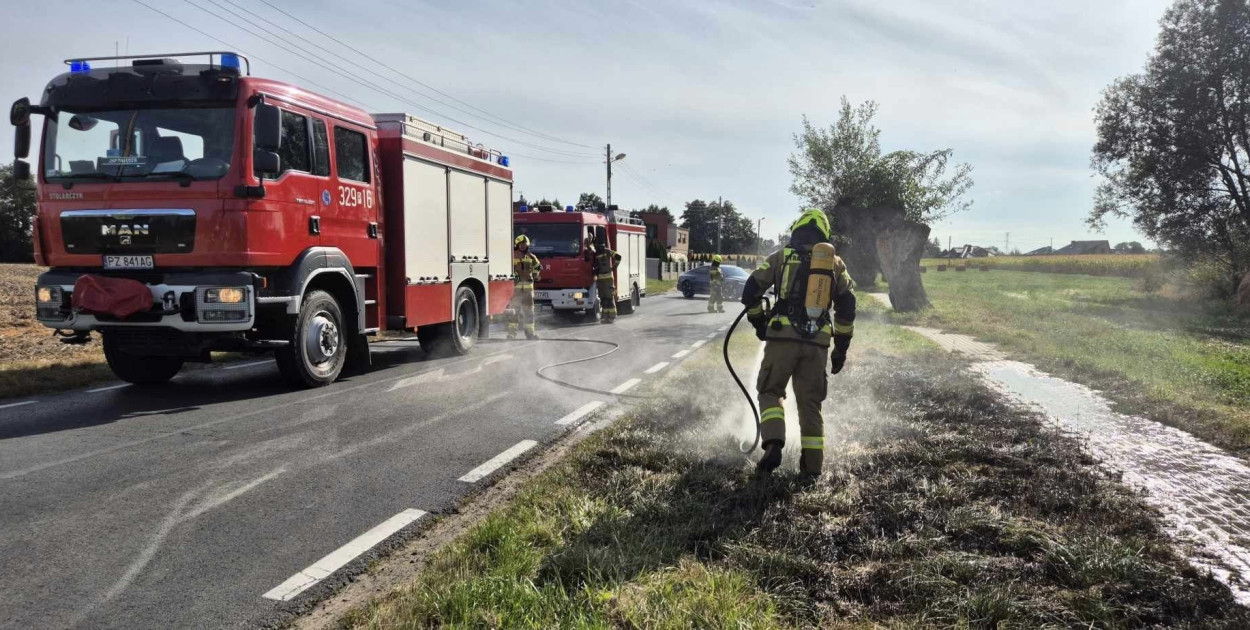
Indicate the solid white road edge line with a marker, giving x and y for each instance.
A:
(680, 354)
(657, 367)
(19, 404)
(698, 343)
(498, 460)
(580, 412)
(624, 387)
(245, 365)
(108, 387)
(339, 558)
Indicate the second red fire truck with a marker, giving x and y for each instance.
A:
(188, 207)
(567, 282)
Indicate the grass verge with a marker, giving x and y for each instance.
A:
(656, 287)
(945, 507)
(1174, 358)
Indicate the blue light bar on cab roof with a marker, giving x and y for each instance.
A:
(230, 62)
(79, 66)
(568, 208)
(525, 208)
(503, 161)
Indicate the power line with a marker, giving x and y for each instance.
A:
(256, 57)
(347, 74)
(504, 123)
(501, 120)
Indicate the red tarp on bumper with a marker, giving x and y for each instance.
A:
(119, 297)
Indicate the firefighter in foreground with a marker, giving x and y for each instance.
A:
(525, 266)
(606, 261)
(716, 286)
(810, 282)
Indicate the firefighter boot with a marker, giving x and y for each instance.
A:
(771, 459)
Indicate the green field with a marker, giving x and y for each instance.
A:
(1121, 265)
(1178, 359)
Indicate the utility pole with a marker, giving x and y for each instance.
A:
(608, 203)
(720, 212)
(1007, 243)
(759, 243)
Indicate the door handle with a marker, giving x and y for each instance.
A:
(314, 225)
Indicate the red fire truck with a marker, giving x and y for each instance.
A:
(189, 207)
(567, 282)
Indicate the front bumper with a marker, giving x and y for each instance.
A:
(177, 302)
(565, 299)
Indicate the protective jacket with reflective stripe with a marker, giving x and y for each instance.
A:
(526, 268)
(780, 272)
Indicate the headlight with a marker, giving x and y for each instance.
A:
(579, 295)
(48, 295)
(226, 295)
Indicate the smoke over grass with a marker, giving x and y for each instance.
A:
(944, 506)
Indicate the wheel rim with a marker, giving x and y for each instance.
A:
(466, 322)
(322, 341)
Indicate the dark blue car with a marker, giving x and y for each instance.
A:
(695, 282)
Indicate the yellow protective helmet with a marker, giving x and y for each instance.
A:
(716, 258)
(814, 216)
(521, 239)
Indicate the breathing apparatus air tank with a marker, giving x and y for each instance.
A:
(819, 284)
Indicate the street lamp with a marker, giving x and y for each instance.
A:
(759, 244)
(619, 157)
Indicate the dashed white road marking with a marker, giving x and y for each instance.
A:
(681, 354)
(19, 404)
(698, 343)
(497, 461)
(624, 387)
(714, 334)
(580, 412)
(657, 367)
(339, 558)
(245, 365)
(108, 387)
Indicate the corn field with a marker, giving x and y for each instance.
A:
(1122, 265)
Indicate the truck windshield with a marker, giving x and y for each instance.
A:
(553, 239)
(140, 144)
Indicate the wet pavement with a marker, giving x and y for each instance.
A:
(1201, 490)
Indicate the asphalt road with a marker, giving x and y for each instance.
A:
(224, 499)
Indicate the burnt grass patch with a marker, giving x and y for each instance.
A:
(942, 506)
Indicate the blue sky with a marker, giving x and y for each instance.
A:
(703, 97)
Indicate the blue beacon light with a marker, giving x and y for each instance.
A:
(77, 66)
(525, 208)
(230, 62)
(568, 208)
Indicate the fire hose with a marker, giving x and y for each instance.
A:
(750, 400)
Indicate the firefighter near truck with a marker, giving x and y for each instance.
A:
(564, 242)
(185, 208)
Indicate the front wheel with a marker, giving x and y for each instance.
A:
(139, 369)
(688, 291)
(318, 346)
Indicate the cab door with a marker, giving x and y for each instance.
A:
(291, 194)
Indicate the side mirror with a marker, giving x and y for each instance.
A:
(265, 162)
(21, 170)
(267, 128)
(21, 140)
(19, 114)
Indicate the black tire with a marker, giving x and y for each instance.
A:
(628, 306)
(687, 291)
(319, 344)
(139, 369)
(458, 336)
